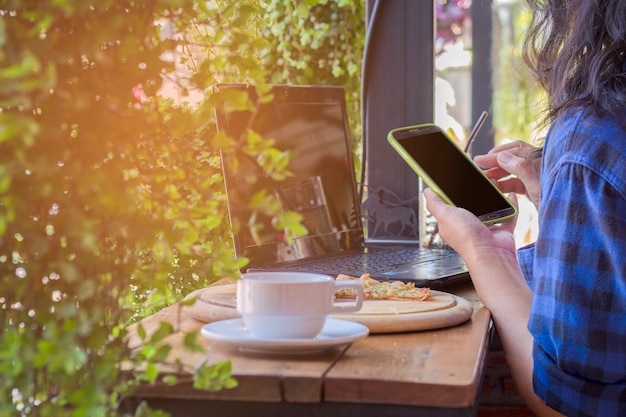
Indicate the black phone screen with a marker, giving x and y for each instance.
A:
(462, 181)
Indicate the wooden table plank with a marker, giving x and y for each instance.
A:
(439, 368)
(436, 368)
(261, 377)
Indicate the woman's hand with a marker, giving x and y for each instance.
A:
(466, 234)
(518, 159)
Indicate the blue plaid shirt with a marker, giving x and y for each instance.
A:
(577, 267)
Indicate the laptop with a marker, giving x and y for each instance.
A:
(310, 123)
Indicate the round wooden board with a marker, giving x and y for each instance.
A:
(441, 309)
(214, 303)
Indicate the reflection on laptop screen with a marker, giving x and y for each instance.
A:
(311, 123)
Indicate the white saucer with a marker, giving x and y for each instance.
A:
(234, 332)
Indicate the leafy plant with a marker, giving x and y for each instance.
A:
(516, 94)
(318, 42)
(111, 198)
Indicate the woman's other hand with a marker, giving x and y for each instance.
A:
(515, 167)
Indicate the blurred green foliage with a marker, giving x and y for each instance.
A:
(517, 98)
(111, 197)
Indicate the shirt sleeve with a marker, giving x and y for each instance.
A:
(578, 316)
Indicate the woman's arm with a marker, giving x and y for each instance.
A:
(490, 256)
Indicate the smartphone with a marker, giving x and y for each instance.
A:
(450, 172)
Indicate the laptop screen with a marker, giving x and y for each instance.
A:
(309, 122)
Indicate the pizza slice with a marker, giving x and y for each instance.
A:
(383, 290)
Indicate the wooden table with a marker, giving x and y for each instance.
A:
(426, 373)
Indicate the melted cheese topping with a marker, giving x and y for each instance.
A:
(383, 290)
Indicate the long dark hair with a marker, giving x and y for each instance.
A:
(577, 50)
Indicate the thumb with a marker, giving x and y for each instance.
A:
(433, 202)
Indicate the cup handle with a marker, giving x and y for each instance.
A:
(349, 307)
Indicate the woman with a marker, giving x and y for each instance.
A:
(559, 305)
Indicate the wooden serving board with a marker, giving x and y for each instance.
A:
(441, 309)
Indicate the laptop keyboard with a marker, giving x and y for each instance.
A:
(375, 260)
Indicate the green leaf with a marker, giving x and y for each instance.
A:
(5, 182)
(170, 379)
(189, 301)
(163, 330)
(152, 372)
(230, 383)
(190, 342)
(3, 34)
(214, 377)
(161, 353)
(141, 331)
(86, 289)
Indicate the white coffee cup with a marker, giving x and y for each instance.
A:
(291, 305)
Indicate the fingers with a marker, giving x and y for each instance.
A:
(512, 185)
(513, 168)
(464, 232)
(447, 214)
(505, 181)
(487, 161)
(517, 148)
(496, 173)
(520, 167)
